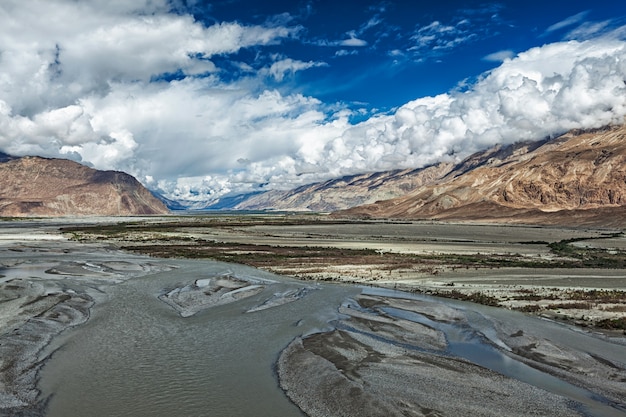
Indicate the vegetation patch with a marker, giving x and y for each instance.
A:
(612, 324)
(206, 238)
(587, 257)
(474, 297)
(604, 296)
(565, 306)
(530, 308)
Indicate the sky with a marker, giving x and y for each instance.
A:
(205, 99)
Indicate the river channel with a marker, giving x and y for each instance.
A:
(136, 355)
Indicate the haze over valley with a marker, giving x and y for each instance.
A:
(372, 208)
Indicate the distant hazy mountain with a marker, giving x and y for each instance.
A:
(576, 179)
(33, 186)
(5, 157)
(346, 192)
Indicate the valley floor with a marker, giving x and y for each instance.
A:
(572, 274)
(577, 276)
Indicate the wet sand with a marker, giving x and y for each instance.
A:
(49, 284)
(46, 288)
(225, 289)
(206, 293)
(372, 363)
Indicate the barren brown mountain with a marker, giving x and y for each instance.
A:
(346, 192)
(576, 179)
(33, 186)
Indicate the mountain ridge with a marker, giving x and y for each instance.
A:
(50, 187)
(348, 191)
(577, 178)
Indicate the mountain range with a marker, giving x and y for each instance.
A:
(34, 186)
(345, 192)
(575, 179)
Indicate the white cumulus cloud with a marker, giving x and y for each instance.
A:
(499, 56)
(285, 66)
(542, 92)
(96, 91)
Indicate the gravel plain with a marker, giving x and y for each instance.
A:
(373, 363)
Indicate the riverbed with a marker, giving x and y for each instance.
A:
(101, 332)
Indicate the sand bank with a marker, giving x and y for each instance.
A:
(211, 292)
(46, 288)
(571, 274)
(376, 364)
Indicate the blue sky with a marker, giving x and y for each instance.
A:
(203, 99)
(381, 54)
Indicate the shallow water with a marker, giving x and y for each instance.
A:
(469, 344)
(477, 342)
(137, 356)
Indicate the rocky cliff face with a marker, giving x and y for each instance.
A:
(33, 186)
(348, 191)
(578, 178)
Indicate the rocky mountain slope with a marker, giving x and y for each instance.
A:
(346, 192)
(578, 178)
(33, 186)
